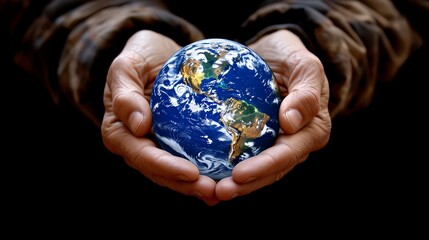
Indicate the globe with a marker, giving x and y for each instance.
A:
(215, 102)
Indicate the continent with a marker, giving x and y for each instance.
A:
(244, 122)
(193, 74)
(194, 71)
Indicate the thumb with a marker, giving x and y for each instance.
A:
(307, 85)
(298, 108)
(134, 111)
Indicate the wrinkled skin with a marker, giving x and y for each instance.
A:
(304, 117)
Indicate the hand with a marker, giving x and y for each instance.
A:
(126, 127)
(304, 119)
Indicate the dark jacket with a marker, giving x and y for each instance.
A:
(70, 44)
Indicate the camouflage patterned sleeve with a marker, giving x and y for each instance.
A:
(69, 45)
(360, 43)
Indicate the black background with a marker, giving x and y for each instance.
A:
(56, 168)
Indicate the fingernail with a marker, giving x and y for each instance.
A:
(294, 118)
(249, 179)
(136, 119)
(198, 195)
(183, 178)
(234, 196)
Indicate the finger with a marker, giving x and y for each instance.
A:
(281, 157)
(306, 86)
(127, 96)
(172, 172)
(203, 188)
(228, 188)
(156, 164)
(287, 152)
(143, 155)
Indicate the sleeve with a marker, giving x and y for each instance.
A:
(70, 45)
(360, 43)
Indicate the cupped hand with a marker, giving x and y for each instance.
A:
(304, 119)
(126, 127)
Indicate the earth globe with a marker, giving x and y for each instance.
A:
(215, 102)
